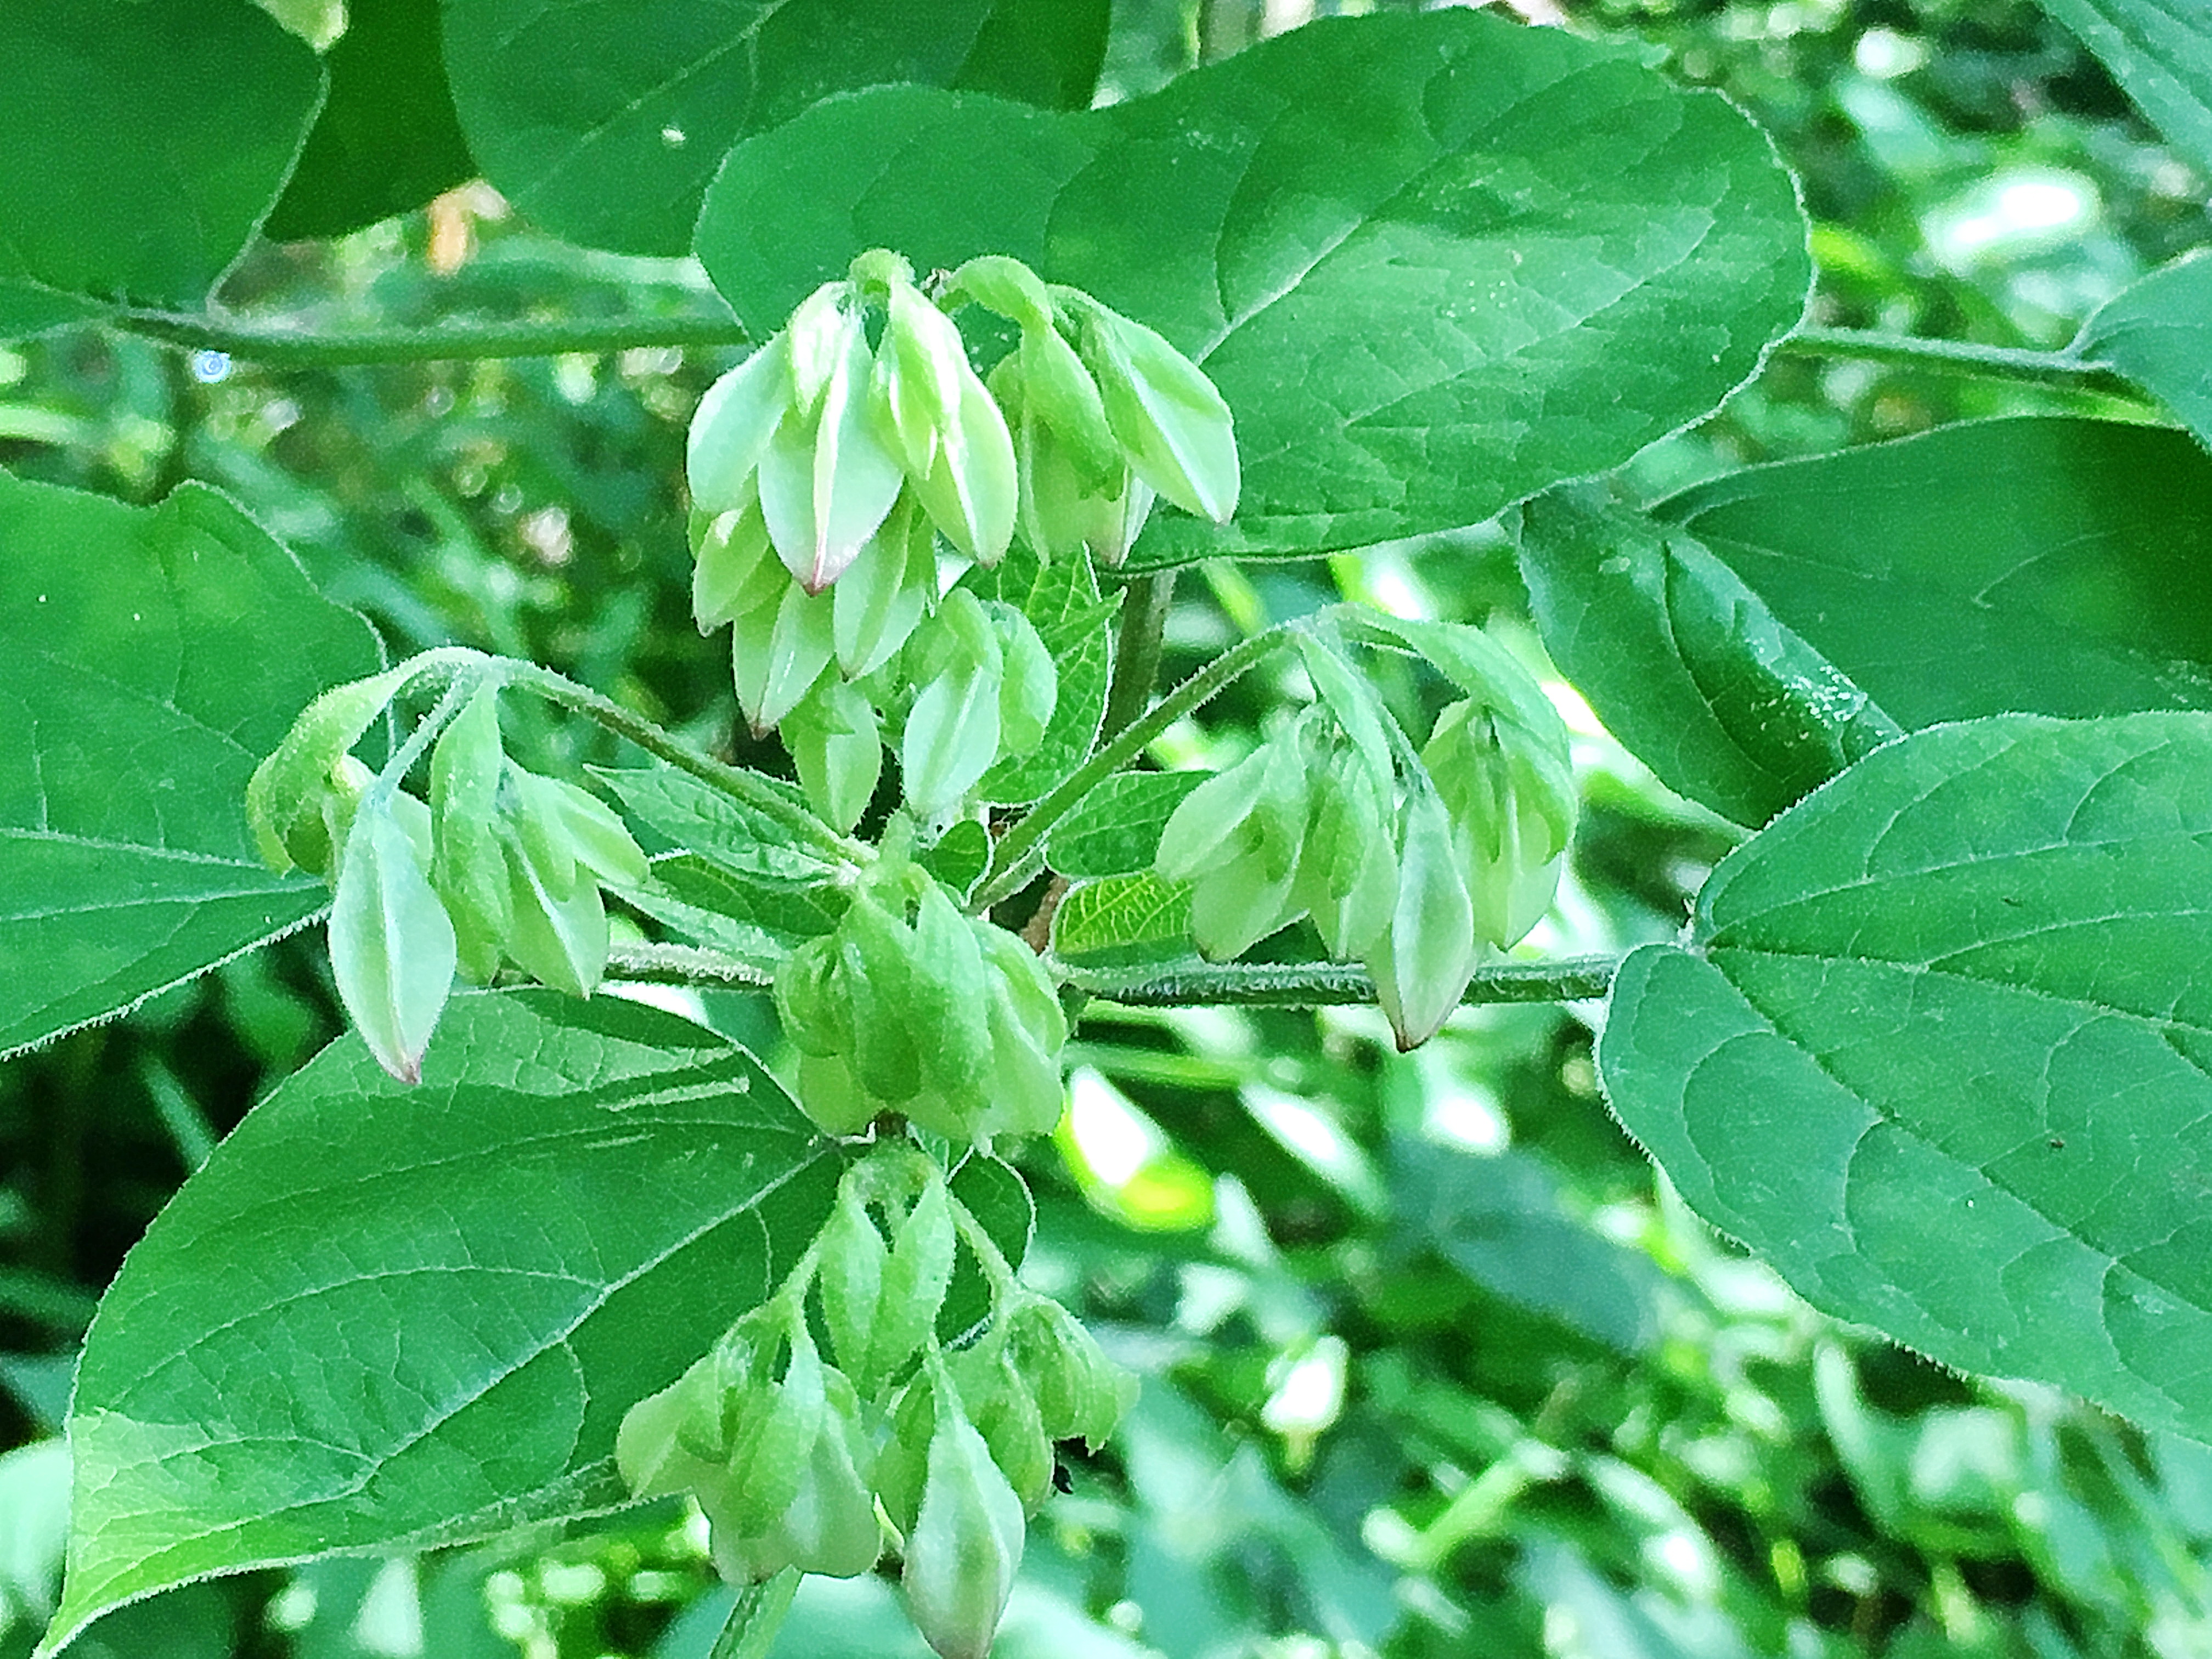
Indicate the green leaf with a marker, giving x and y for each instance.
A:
(140, 146)
(757, 921)
(1434, 262)
(1939, 1046)
(387, 139)
(384, 1317)
(961, 856)
(2159, 334)
(1116, 831)
(1121, 920)
(2035, 564)
(1077, 627)
(720, 828)
(149, 657)
(2160, 52)
(603, 123)
(1683, 663)
(999, 1199)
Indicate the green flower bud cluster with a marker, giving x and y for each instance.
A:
(823, 470)
(911, 1006)
(1416, 865)
(1105, 414)
(499, 865)
(791, 1456)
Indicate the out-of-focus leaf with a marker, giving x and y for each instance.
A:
(2160, 52)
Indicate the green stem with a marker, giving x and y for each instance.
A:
(2061, 370)
(290, 346)
(1145, 603)
(997, 1272)
(1013, 863)
(1330, 984)
(756, 1617)
(681, 964)
(750, 788)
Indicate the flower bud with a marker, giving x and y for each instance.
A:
(835, 744)
(1079, 1392)
(830, 1525)
(951, 435)
(950, 996)
(1511, 799)
(1422, 964)
(1029, 688)
(951, 735)
(999, 282)
(561, 942)
(468, 867)
(777, 654)
(1347, 876)
(876, 962)
(966, 1543)
(916, 1273)
(734, 570)
(671, 1442)
(392, 950)
(886, 592)
(812, 1000)
(1028, 1031)
(1062, 509)
(776, 1436)
(827, 477)
(832, 1097)
(1167, 417)
(1058, 391)
(1004, 1414)
(732, 425)
(285, 797)
(850, 1260)
(1241, 831)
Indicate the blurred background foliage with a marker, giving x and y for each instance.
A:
(1433, 1365)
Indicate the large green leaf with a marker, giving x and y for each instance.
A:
(2159, 334)
(1683, 663)
(149, 657)
(385, 1317)
(2035, 564)
(387, 139)
(1939, 1046)
(139, 147)
(603, 119)
(2160, 51)
(1433, 263)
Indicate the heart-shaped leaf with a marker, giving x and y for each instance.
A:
(1939, 1046)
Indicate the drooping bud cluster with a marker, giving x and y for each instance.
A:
(824, 470)
(911, 1006)
(499, 865)
(790, 1455)
(1415, 865)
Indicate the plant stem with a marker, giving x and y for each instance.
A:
(1330, 984)
(751, 789)
(1012, 865)
(2062, 370)
(290, 346)
(681, 964)
(1145, 603)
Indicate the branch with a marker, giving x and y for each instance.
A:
(1331, 984)
(681, 964)
(285, 345)
(1012, 865)
(2058, 370)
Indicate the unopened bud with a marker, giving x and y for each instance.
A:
(886, 591)
(732, 426)
(966, 1545)
(1169, 420)
(392, 951)
(1423, 964)
(837, 749)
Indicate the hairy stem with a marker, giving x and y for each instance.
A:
(285, 346)
(1145, 603)
(1328, 984)
(681, 964)
(1014, 861)
(2061, 370)
(750, 788)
